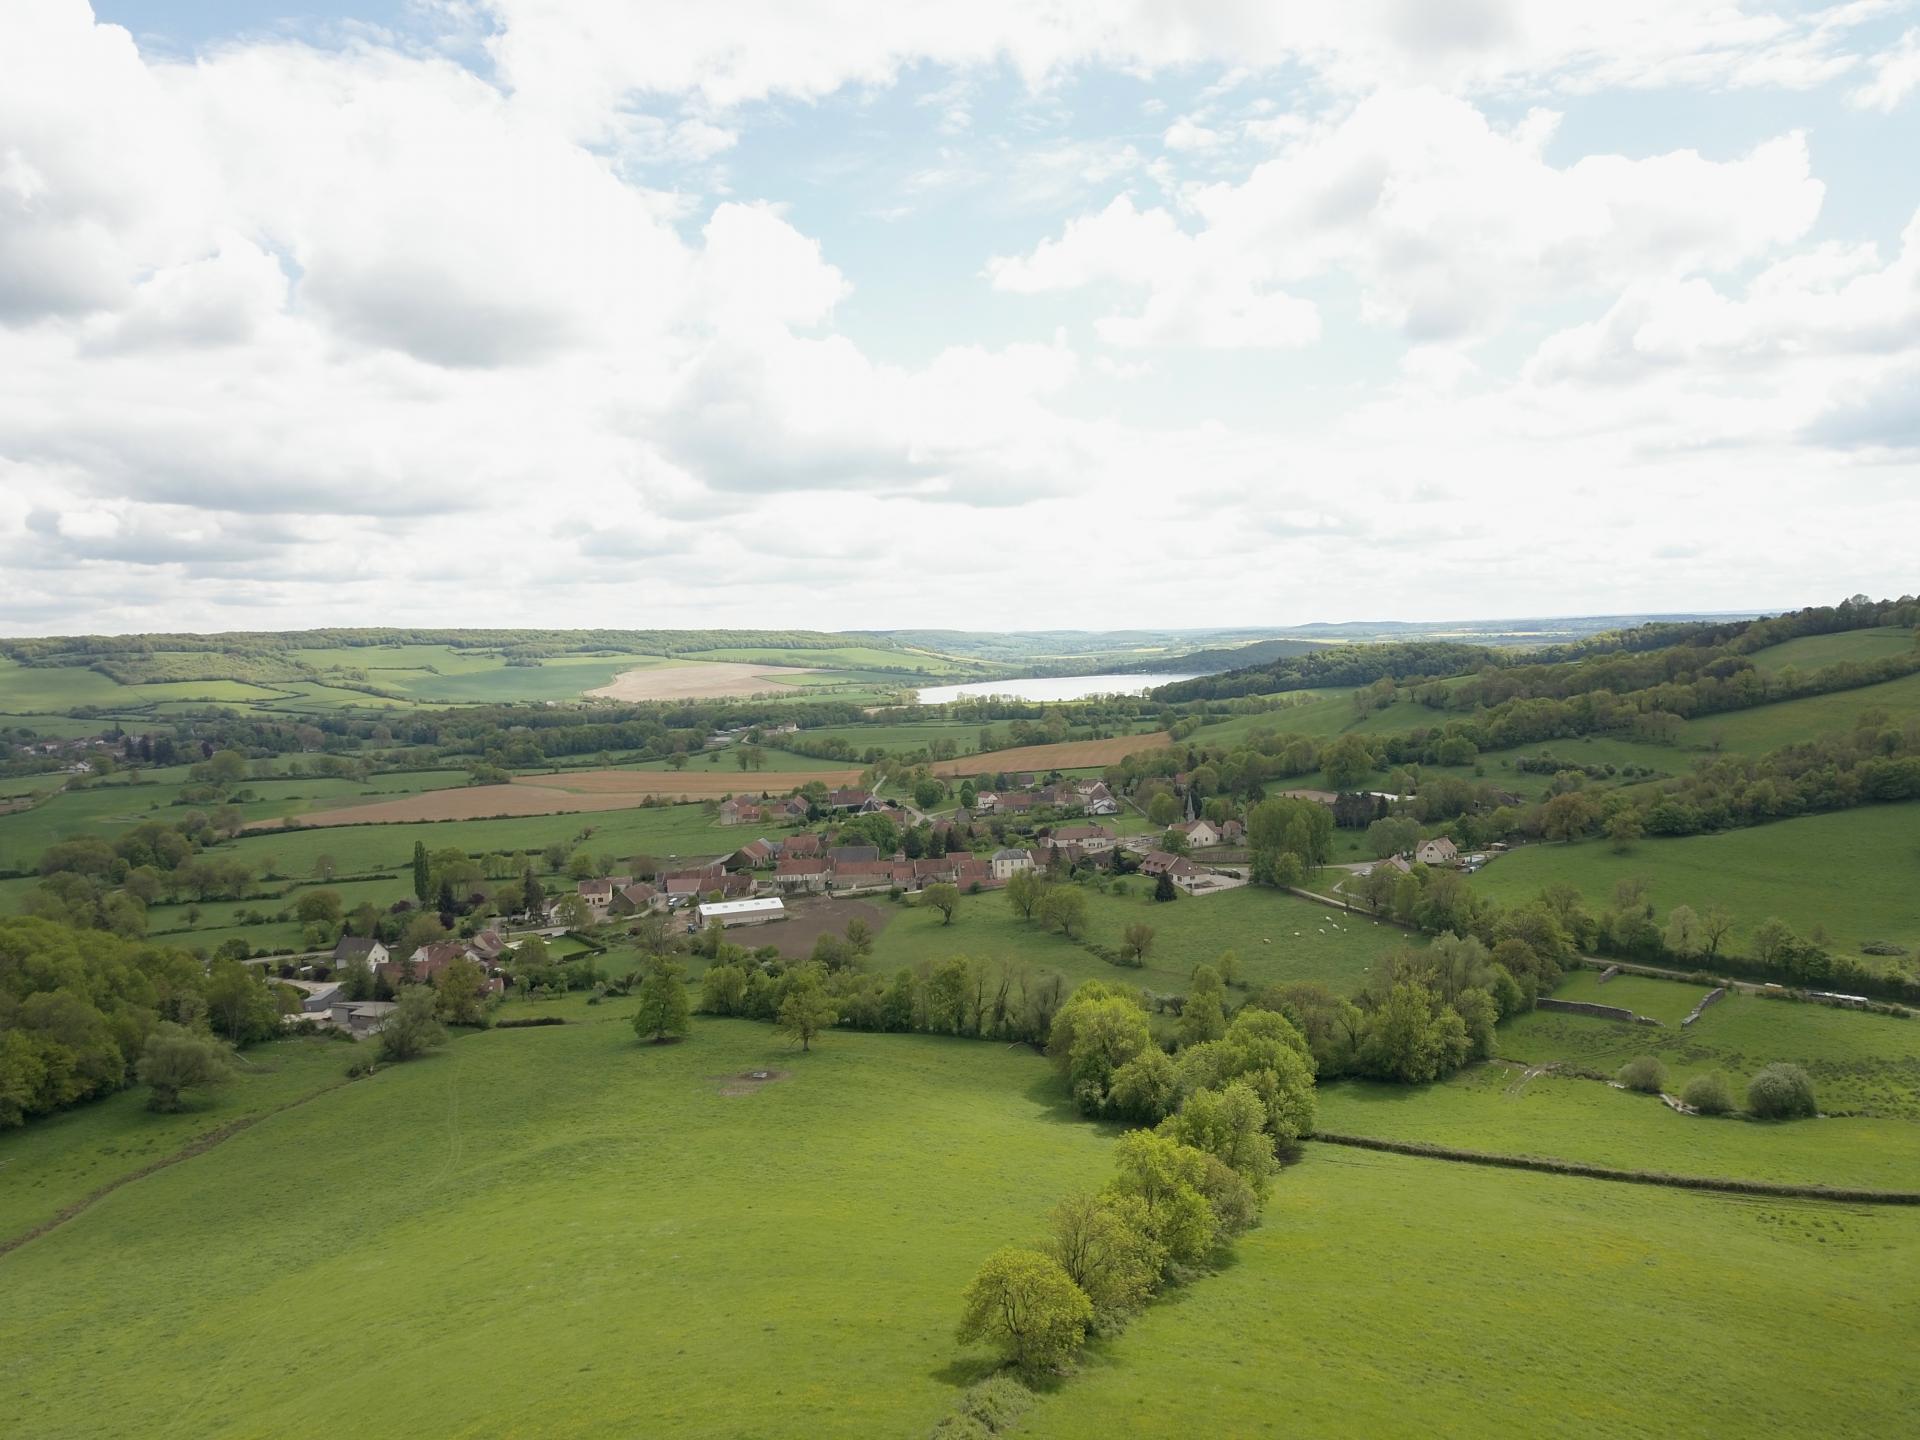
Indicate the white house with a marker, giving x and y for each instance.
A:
(1010, 862)
(1437, 851)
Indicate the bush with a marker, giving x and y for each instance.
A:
(1781, 1092)
(1644, 1073)
(996, 1402)
(960, 1427)
(1709, 1094)
(529, 1022)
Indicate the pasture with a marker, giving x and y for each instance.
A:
(1860, 1063)
(673, 1248)
(1856, 873)
(1790, 722)
(1495, 1107)
(1277, 937)
(1815, 652)
(1388, 1295)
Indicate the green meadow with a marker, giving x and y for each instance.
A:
(672, 1249)
(1814, 652)
(1387, 1295)
(1860, 1063)
(1792, 722)
(1496, 1107)
(1854, 872)
(59, 1160)
(1277, 938)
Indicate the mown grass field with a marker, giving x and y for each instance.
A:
(1859, 1062)
(1855, 872)
(1276, 937)
(557, 1232)
(1495, 1107)
(1386, 1295)
(1814, 652)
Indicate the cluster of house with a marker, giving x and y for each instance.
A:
(1437, 851)
(795, 809)
(325, 1002)
(1091, 796)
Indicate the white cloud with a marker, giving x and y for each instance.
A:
(1443, 221)
(1896, 75)
(292, 335)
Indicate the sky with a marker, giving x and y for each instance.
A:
(1009, 315)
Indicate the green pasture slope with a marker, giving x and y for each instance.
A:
(1387, 1295)
(1792, 722)
(59, 1160)
(1815, 652)
(556, 1232)
(1855, 872)
(1496, 1107)
(1860, 1063)
(1277, 937)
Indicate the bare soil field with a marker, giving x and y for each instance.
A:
(707, 680)
(808, 920)
(1071, 755)
(561, 795)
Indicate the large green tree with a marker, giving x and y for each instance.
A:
(176, 1059)
(663, 1011)
(1024, 1303)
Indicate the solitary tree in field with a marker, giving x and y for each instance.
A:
(944, 898)
(1136, 940)
(663, 1001)
(677, 760)
(807, 1009)
(176, 1059)
(324, 867)
(1024, 1303)
(422, 872)
(1024, 889)
(1066, 907)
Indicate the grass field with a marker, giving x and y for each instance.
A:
(1385, 1295)
(1667, 1001)
(1495, 1107)
(1769, 727)
(58, 1161)
(557, 1233)
(1855, 872)
(1814, 652)
(1277, 938)
(571, 792)
(1859, 1062)
(1040, 759)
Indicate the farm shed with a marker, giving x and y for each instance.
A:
(744, 912)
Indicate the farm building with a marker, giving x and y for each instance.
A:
(744, 912)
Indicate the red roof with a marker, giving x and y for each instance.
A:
(801, 865)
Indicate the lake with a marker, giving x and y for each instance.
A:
(1051, 687)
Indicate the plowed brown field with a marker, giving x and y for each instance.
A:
(1069, 755)
(564, 794)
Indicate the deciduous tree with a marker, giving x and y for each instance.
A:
(1024, 1303)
